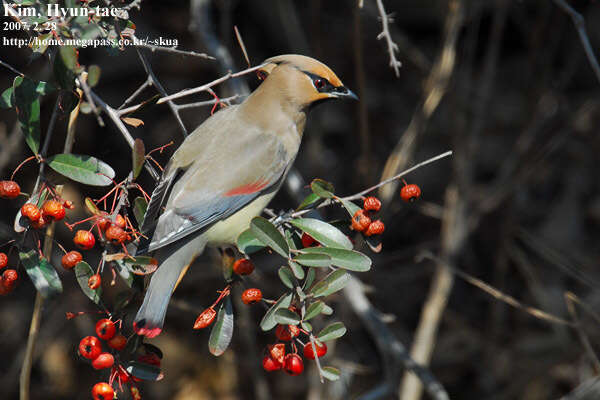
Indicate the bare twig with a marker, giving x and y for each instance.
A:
(385, 34)
(138, 91)
(226, 100)
(11, 68)
(579, 23)
(172, 50)
(583, 337)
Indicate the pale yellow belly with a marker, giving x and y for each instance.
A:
(226, 231)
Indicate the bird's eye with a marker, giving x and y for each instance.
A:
(262, 75)
(319, 83)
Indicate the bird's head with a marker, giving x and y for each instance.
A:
(303, 80)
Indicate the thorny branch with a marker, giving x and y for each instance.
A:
(392, 47)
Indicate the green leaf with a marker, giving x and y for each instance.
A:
(268, 322)
(287, 277)
(332, 332)
(326, 310)
(347, 259)
(296, 269)
(330, 373)
(143, 371)
(83, 271)
(138, 156)
(313, 310)
(350, 206)
(310, 200)
(313, 260)
(323, 232)
(42, 274)
(306, 326)
(247, 242)
(93, 75)
(284, 316)
(65, 64)
(222, 331)
(27, 102)
(335, 281)
(83, 169)
(269, 235)
(6, 98)
(310, 278)
(322, 188)
(139, 209)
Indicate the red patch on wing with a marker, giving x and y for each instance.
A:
(246, 189)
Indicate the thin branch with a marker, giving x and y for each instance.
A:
(11, 68)
(137, 92)
(226, 100)
(385, 34)
(172, 50)
(579, 23)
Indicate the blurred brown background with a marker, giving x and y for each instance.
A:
(504, 84)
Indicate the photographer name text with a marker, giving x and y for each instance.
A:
(53, 10)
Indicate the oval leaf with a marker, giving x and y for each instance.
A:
(143, 371)
(222, 331)
(313, 310)
(42, 273)
(83, 271)
(335, 281)
(306, 326)
(349, 206)
(310, 278)
(330, 373)
(296, 269)
(269, 235)
(286, 317)
(332, 332)
(83, 169)
(287, 277)
(314, 260)
(140, 205)
(27, 105)
(323, 232)
(268, 322)
(311, 200)
(347, 259)
(141, 265)
(247, 242)
(93, 75)
(322, 188)
(138, 156)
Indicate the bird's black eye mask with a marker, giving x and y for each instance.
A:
(321, 84)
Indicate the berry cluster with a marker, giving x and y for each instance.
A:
(362, 219)
(9, 277)
(275, 357)
(90, 347)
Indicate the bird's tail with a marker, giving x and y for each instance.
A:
(175, 258)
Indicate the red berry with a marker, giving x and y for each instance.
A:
(308, 350)
(205, 318)
(9, 189)
(103, 391)
(90, 347)
(9, 278)
(308, 241)
(135, 393)
(103, 222)
(71, 259)
(277, 352)
(68, 204)
(286, 332)
(53, 209)
(118, 342)
(410, 192)
(372, 203)
(251, 296)
(243, 266)
(269, 364)
(30, 211)
(293, 364)
(84, 240)
(120, 221)
(3, 260)
(94, 281)
(39, 223)
(360, 220)
(116, 235)
(105, 329)
(375, 228)
(103, 361)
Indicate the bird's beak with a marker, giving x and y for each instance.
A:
(342, 92)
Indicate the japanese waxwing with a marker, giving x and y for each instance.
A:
(226, 172)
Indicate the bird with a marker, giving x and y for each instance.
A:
(226, 172)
